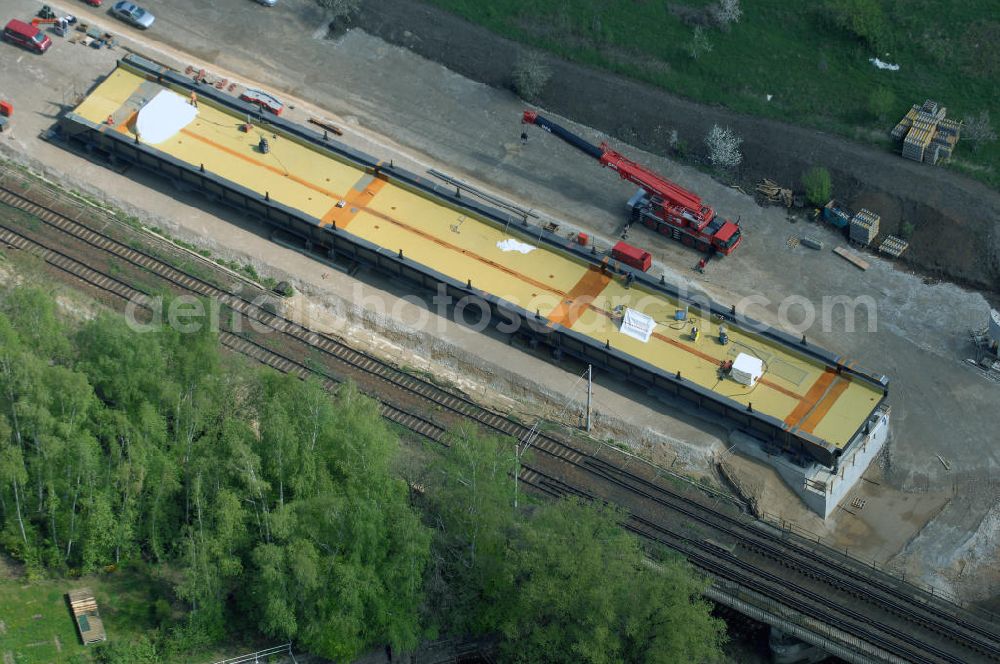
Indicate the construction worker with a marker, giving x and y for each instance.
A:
(524, 138)
(194, 99)
(110, 120)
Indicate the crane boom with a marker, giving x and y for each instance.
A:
(626, 168)
(589, 149)
(660, 201)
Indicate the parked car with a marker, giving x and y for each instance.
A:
(267, 3)
(94, 3)
(134, 14)
(27, 36)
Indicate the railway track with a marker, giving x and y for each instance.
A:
(548, 472)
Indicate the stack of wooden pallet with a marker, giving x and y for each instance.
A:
(893, 246)
(926, 134)
(88, 619)
(774, 192)
(864, 227)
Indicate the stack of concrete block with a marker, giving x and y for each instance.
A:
(864, 227)
(926, 134)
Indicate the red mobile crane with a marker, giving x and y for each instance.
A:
(658, 204)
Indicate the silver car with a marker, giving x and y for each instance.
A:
(134, 14)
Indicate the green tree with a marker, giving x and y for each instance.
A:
(587, 593)
(818, 185)
(562, 582)
(471, 496)
(341, 568)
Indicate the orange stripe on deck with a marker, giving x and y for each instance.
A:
(355, 201)
(257, 162)
(811, 398)
(123, 127)
(824, 406)
(590, 285)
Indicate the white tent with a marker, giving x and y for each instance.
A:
(165, 115)
(637, 325)
(747, 369)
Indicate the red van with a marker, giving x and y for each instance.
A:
(26, 35)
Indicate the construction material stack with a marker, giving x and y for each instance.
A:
(986, 341)
(926, 134)
(85, 613)
(659, 204)
(864, 227)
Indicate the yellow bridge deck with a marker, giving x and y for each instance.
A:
(802, 392)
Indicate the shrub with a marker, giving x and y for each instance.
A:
(906, 230)
(723, 147)
(978, 130)
(530, 75)
(727, 11)
(862, 18)
(818, 185)
(699, 43)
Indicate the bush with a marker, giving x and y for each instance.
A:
(723, 147)
(906, 230)
(880, 102)
(699, 43)
(862, 18)
(726, 12)
(530, 75)
(818, 186)
(978, 130)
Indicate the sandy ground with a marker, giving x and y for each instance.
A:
(400, 106)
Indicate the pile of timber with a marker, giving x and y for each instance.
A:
(327, 125)
(774, 192)
(85, 613)
(852, 258)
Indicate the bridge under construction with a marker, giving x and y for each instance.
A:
(817, 416)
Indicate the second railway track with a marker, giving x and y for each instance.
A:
(560, 468)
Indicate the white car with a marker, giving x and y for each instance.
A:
(267, 3)
(134, 14)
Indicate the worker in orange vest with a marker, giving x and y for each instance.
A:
(194, 99)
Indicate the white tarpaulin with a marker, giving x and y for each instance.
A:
(883, 65)
(637, 325)
(514, 245)
(165, 115)
(747, 369)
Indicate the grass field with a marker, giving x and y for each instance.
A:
(818, 74)
(38, 627)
